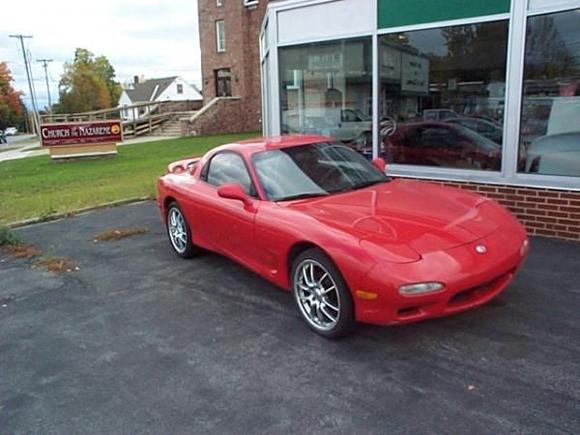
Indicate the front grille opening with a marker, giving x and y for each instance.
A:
(467, 295)
(408, 312)
(480, 291)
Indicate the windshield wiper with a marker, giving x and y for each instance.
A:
(302, 196)
(369, 183)
(360, 186)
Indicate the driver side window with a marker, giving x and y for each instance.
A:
(349, 116)
(229, 167)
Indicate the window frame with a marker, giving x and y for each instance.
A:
(562, 6)
(218, 79)
(220, 39)
(206, 168)
(517, 23)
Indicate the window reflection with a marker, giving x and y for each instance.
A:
(442, 96)
(550, 128)
(326, 88)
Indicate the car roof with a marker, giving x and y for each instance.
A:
(259, 144)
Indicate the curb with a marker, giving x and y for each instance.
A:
(64, 215)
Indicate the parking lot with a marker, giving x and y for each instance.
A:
(140, 341)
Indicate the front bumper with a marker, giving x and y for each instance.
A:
(471, 279)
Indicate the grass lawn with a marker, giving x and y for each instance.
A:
(37, 186)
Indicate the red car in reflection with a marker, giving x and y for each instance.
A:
(447, 144)
(350, 243)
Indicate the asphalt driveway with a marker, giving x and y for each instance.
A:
(140, 341)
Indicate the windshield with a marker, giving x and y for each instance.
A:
(313, 170)
(362, 116)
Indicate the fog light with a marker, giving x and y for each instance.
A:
(420, 288)
(525, 248)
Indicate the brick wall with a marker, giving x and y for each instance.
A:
(544, 212)
(242, 56)
(180, 106)
(219, 116)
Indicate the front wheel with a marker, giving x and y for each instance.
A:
(179, 232)
(321, 294)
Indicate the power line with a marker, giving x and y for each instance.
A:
(29, 76)
(45, 63)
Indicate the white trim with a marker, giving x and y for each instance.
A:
(448, 23)
(326, 39)
(295, 4)
(276, 113)
(375, 93)
(549, 9)
(513, 94)
(221, 46)
(520, 180)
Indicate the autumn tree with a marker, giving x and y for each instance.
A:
(11, 108)
(88, 83)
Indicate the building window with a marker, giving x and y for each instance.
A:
(326, 88)
(179, 88)
(442, 96)
(550, 127)
(219, 3)
(223, 82)
(220, 34)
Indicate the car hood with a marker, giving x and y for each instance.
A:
(425, 217)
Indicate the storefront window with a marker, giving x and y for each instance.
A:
(326, 88)
(442, 96)
(550, 130)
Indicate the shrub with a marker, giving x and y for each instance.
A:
(9, 237)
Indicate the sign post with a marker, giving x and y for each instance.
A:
(81, 139)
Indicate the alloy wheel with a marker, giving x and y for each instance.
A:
(317, 295)
(177, 230)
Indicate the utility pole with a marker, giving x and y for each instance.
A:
(29, 76)
(45, 63)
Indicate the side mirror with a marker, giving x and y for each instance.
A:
(380, 164)
(235, 191)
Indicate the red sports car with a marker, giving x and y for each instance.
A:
(351, 244)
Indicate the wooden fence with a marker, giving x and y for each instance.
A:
(138, 119)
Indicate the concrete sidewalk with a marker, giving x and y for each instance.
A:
(30, 149)
(140, 341)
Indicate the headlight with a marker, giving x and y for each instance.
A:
(420, 288)
(525, 249)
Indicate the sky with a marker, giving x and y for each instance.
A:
(153, 38)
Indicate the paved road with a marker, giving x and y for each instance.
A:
(139, 341)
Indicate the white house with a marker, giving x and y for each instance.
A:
(156, 90)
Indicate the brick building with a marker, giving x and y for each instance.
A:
(230, 58)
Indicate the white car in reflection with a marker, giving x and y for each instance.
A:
(557, 154)
(344, 124)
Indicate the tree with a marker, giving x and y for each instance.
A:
(88, 83)
(11, 107)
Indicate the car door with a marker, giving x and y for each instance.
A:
(226, 225)
(412, 150)
(440, 143)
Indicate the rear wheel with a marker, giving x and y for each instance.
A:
(321, 294)
(179, 232)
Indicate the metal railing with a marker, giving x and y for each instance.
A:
(137, 119)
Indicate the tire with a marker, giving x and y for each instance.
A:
(179, 232)
(322, 296)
